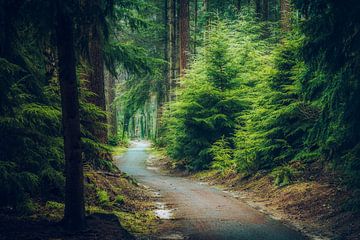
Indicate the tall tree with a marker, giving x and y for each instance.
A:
(74, 214)
(258, 8)
(96, 61)
(285, 14)
(173, 53)
(110, 106)
(184, 31)
(265, 10)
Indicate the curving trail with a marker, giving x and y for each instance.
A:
(203, 212)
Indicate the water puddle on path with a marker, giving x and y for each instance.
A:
(173, 236)
(163, 213)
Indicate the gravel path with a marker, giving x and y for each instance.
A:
(201, 211)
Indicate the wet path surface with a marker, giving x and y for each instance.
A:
(200, 211)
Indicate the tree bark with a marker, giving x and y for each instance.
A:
(265, 10)
(74, 213)
(196, 10)
(184, 30)
(110, 106)
(96, 78)
(173, 53)
(285, 11)
(258, 8)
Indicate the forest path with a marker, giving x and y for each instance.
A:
(201, 211)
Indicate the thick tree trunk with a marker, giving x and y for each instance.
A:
(96, 78)
(74, 214)
(285, 10)
(184, 30)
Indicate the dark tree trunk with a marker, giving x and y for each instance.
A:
(110, 106)
(265, 10)
(96, 78)
(74, 214)
(184, 30)
(238, 5)
(258, 8)
(196, 10)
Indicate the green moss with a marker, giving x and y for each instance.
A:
(120, 199)
(54, 205)
(118, 150)
(103, 197)
(143, 223)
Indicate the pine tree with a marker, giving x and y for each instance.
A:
(74, 215)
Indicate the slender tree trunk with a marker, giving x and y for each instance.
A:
(285, 11)
(184, 30)
(258, 8)
(238, 5)
(196, 10)
(265, 10)
(74, 213)
(172, 48)
(110, 106)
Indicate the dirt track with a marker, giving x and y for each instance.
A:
(201, 211)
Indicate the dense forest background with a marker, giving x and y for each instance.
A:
(238, 86)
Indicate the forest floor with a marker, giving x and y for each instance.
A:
(314, 205)
(117, 207)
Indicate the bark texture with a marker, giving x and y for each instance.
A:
(184, 29)
(74, 213)
(285, 10)
(96, 77)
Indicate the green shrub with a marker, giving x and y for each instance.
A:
(51, 205)
(119, 199)
(223, 156)
(103, 197)
(283, 175)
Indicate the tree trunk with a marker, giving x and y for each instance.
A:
(285, 11)
(184, 34)
(96, 78)
(238, 5)
(110, 106)
(173, 53)
(258, 8)
(265, 10)
(74, 213)
(196, 10)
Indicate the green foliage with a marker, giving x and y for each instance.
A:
(208, 102)
(222, 153)
(103, 197)
(283, 175)
(332, 52)
(51, 205)
(119, 199)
